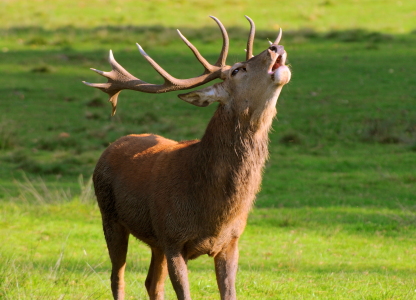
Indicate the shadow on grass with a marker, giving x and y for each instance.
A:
(160, 35)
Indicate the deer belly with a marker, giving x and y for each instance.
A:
(195, 248)
(210, 245)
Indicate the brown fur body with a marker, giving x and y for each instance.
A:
(193, 195)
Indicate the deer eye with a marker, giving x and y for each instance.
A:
(235, 72)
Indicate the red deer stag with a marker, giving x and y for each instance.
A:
(185, 199)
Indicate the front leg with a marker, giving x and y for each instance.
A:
(178, 274)
(226, 264)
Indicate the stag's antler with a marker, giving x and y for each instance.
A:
(119, 79)
(250, 39)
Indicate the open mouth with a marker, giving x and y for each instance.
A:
(279, 52)
(277, 63)
(278, 71)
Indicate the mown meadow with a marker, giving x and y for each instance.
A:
(336, 216)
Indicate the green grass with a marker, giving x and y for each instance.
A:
(336, 215)
(289, 253)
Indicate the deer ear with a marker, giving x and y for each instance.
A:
(206, 96)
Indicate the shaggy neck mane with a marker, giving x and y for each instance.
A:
(231, 157)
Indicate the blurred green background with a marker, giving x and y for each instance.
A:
(336, 215)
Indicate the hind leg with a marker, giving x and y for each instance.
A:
(117, 238)
(155, 280)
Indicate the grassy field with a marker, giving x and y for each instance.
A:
(337, 212)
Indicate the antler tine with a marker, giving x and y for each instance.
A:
(276, 42)
(225, 44)
(103, 86)
(168, 78)
(115, 76)
(250, 40)
(201, 59)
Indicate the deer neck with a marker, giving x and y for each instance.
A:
(233, 152)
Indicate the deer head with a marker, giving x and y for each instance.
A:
(251, 85)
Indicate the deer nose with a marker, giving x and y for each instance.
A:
(279, 49)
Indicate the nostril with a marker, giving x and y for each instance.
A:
(273, 48)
